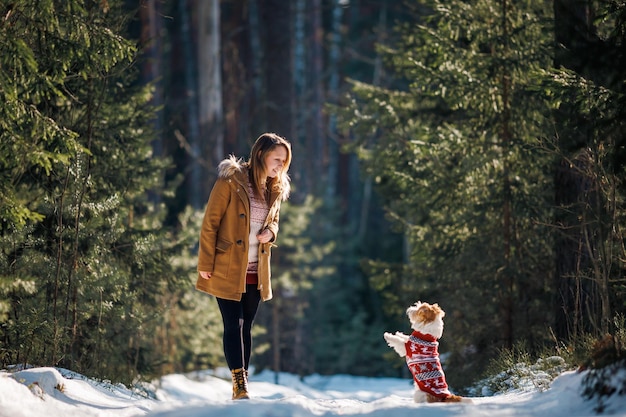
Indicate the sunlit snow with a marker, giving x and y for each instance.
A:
(51, 392)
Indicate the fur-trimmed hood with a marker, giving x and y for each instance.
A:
(233, 166)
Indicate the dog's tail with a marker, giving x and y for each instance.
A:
(448, 399)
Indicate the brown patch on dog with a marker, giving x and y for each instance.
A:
(451, 399)
(427, 313)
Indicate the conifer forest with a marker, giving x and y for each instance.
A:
(465, 152)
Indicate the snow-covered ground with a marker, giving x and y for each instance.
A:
(52, 392)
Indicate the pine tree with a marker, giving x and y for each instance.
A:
(78, 228)
(455, 156)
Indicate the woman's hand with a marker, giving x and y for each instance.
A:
(205, 274)
(265, 236)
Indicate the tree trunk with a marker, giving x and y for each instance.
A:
(276, 357)
(573, 30)
(194, 156)
(152, 46)
(150, 39)
(316, 131)
(237, 73)
(333, 92)
(210, 109)
(507, 279)
(256, 64)
(301, 160)
(277, 17)
(578, 296)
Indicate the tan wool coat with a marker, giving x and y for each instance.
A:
(224, 235)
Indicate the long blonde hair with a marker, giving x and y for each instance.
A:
(264, 144)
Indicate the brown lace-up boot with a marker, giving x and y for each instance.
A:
(240, 384)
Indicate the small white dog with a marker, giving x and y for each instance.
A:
(422, 357)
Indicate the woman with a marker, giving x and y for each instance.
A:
(240, 223)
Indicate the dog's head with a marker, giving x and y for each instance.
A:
(426, 318)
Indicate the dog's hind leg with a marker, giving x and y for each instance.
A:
(419, 396)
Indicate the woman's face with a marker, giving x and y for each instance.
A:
(275, 160)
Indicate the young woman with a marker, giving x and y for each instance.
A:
(240, 223)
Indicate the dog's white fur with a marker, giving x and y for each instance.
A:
(426, 319)
(434, 328)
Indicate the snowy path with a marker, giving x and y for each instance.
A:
(44, 392)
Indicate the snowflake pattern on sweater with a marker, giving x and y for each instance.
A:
(422, 358)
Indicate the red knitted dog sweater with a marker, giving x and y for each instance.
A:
(422, 358)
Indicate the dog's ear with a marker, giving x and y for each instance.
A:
(439, 310)
(413, 311)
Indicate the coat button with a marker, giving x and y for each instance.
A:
(239, 242)
(242, 215)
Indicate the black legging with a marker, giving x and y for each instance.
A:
(238, 317)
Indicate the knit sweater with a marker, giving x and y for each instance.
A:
(258, 214)
(422, 358)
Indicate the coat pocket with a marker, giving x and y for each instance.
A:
(223, 245)
(223, 254)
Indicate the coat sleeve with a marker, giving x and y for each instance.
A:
(273, 219)
(213, 214)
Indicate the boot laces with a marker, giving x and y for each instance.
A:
(240, 380)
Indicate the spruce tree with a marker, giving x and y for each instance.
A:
(78, 228)
(455, 156)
